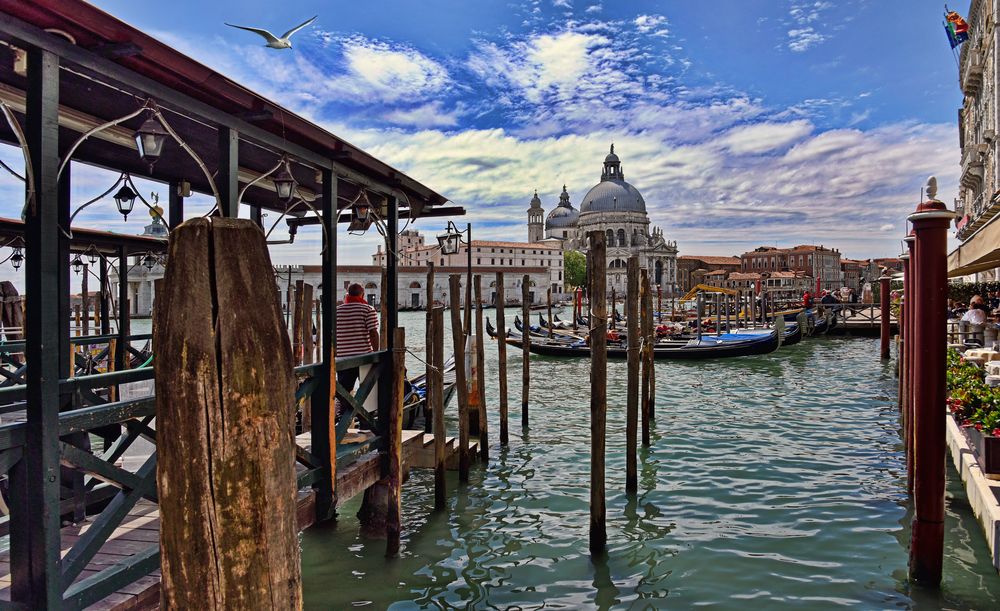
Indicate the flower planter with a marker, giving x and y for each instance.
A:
(987, 451)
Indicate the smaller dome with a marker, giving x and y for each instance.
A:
(612, 158)
(536, 203)
(563, 216)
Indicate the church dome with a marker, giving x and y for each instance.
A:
(613, 194)
(564, 216)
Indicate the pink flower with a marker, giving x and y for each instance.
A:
(995, 432)
(979, 427)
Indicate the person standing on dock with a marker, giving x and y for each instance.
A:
(357, 332)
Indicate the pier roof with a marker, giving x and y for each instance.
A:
(109, 68)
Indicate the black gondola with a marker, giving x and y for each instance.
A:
(708, 348)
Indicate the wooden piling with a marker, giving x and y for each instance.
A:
(502, 357)
(632, 392)
(393, 521)
(885, 329)
(525, 343)
(435, 394)
(597, 263)
(548, 302)
(646, 388)
(225, 437)
(484, 444)
(454, 285)
(429, 345)
(650, 355)
(297, 323)
(613, 319)
(307, 348)
(85, 298)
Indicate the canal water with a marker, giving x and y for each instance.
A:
(772, 482)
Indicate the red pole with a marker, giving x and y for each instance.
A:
(659, 303)
(818, 280)
(930, 277)
(886, 328)
(909, 345)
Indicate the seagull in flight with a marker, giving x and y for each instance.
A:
(276, 42)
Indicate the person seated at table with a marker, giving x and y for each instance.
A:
(977, 312)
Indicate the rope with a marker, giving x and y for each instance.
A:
(414, 355)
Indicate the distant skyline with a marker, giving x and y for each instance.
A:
(753, 123)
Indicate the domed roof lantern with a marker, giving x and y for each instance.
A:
(612, 166)
(564, 198)
(535, 202)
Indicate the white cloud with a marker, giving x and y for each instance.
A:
(568, 4)
(380, 71)
(646, 24)
(802, 38)
(426, 115)
(594, 8)
(764, 137)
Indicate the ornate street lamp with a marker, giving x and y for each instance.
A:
(17, 258)
(284, 183)
(150, 138)
(149, 261)
(77, 264)
(449, 242)
(125, 199)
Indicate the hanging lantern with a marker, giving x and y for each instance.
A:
(449, 241)
(150, 138)
(149, 261)
(125, 198)
(77, 264)
(92, 255)
(17, 259)
(361, 214)
(283, 183)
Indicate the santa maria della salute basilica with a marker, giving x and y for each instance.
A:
(618, 209)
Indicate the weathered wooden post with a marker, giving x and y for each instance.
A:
(930, 227)
(461, 383)
(383, 305)
(548, 301)
(576, 307)
(632, 391)
(85, 298)
(484, 442)
(393, 520)
(910, 348)
(435, 398)
(597, 263)
(645, 386)
(307, 348)
(297, 323)
(525, 343)
(429, 343)
(649, 409)
(614, 310)
(225, 443)
(886, 329)
(502, 357)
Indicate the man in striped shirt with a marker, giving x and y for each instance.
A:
(357, 331)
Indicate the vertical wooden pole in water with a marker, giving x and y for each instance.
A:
(435, 399)
(614, 310)
(393, 520)
(645, 381)
(226, 445)
(576, 308)
(484, 442)
(525, 342)
(461, 385)
(502, 356)
(297, 324)
(650, 341)
(548, 301)
(598, 263)
(632, 392)
(886, 329)
(85, 298)
(307, 348)
(429, 344)
(930, 226)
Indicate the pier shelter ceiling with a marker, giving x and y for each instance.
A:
(109, 69)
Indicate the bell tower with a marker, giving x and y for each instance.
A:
(536, 215)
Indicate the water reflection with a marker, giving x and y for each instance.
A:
(776, 480)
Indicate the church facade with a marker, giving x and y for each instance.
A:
(617, 208)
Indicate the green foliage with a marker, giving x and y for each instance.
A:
(967, 290)
(574, 268)
(969, 398)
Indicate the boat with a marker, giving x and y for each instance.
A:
(708, 347)
(415, 394)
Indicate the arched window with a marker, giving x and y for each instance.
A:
(371, 285)
(611, 238)
(414, 285)
(621, 237)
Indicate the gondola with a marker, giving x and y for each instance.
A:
(415, 394)
(707, 348)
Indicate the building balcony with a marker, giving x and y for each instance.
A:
(980, 212)
(972, 165)
(972, 72)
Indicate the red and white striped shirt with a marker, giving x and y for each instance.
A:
(354, 323)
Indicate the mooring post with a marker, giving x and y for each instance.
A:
(548, 301)
(930, 227)
(650, 341)
(910, 348)
(902, 364)
(484, 442)
(458, 337)
(525, 343)
(307, 348)
(597, 262)
(429, 343)
(502, 357)
(393, 520)
(886, 329)
(224, 465)
(435, 398)
(85, 298)
(646, 373)
(614, 310)
(297, 324)
(632, 392)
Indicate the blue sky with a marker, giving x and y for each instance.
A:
(751, 122)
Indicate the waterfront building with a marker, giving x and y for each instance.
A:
(617, 208)
(813, 261)
(854, 273)
(689, 266)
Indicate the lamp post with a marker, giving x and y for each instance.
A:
(449, 241)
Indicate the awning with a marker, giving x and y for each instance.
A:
(979, 253)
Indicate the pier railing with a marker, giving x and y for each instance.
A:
(98, 485)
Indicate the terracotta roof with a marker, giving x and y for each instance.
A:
(717, 272)
(744, 276)
(712, 260)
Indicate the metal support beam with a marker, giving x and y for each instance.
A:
(65, 370)
(227, 180)
(123, 310)
(257, 215)
(321, 411)
(175, 206)
(391, 274)
(35, 566)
